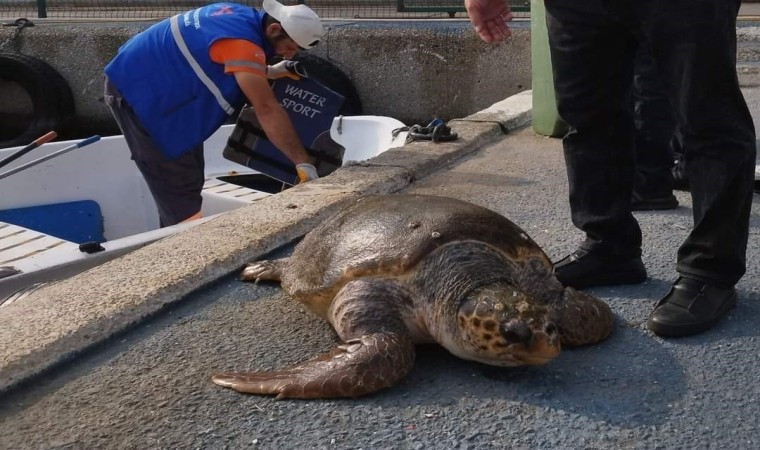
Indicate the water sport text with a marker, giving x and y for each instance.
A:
(302, 101)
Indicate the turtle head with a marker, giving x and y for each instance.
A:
(502, 326)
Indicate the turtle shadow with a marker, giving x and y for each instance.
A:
(627, 380)
(630, 380)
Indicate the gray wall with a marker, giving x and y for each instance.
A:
(410, 70)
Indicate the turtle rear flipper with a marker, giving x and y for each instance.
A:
(268, 270)
(356, 368)
(582, 319)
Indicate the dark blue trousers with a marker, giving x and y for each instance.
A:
(693, 45)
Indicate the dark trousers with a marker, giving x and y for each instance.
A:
(176, 184)
(693, 44)
(654, 130)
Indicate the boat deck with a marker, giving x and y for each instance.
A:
(24, 251)
(18, 243)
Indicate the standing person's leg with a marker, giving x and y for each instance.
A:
(175, 185)
(680, 180)
(654, 132)
(694, 43)
(592, 58)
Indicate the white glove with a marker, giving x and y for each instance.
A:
(286, 69)
(306, 172)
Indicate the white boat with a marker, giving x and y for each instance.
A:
(98, 187)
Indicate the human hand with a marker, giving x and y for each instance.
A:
(306, 172)
(286, 69)
(489, 18)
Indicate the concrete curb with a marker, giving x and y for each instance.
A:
(61, 320)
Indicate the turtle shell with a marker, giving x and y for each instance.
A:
(388, 236)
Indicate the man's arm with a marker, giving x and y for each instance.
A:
(272, 117)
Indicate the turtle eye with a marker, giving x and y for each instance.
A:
(551, 329)
(516, 332)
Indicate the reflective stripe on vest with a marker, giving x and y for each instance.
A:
(213, 88)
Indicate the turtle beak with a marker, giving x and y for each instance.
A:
(530, 346)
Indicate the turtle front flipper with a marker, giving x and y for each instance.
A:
(356, 368)
(267, 270)
(582, 319)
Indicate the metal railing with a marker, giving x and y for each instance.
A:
(157, 9)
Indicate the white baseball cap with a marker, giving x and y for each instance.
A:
(299, 21)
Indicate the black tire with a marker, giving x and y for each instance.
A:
(329, 75)
(51, 96)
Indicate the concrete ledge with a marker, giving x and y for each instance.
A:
(513, 112)
(748, 73)
(412, 70)
(59, 321)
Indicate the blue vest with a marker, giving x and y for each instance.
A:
(165, 74)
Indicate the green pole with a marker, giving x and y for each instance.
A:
(546, 120)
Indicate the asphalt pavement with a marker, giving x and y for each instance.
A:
(149, 388)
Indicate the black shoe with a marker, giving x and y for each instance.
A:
(584, 269)
(692, 306)
(639, 203)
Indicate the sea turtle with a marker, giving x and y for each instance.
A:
(396, 270)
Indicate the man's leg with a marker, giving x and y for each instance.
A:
(654, 132)
(175, 185)
(592, 58)
(680, 179)
(695, 45)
